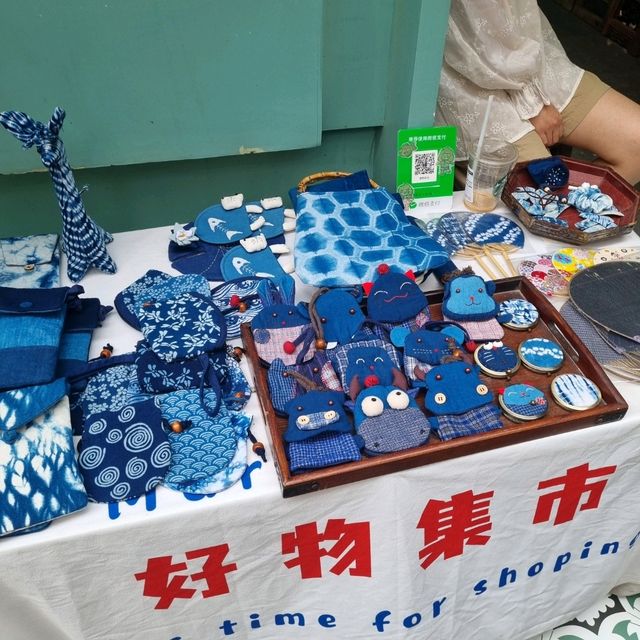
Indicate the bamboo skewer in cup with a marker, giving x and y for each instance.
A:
(487, 169)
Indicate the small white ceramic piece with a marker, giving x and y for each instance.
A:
(257, 223)
(271, 203)
(232, 202)
(289, 225)
(254, 208)
(254, 243)
(289, 213)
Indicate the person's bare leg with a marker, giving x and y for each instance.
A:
(611, 130)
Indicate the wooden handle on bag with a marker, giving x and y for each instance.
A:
(326, 175)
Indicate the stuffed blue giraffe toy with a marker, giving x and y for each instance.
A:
(82, 239)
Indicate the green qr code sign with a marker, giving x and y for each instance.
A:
(425, 163)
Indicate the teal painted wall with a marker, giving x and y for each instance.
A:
(319, 84)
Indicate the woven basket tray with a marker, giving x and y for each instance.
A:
(624, 196)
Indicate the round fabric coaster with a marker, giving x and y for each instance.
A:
(541, 355)
(575, 392)
(522, 402)
(524, 314)
(496, 359)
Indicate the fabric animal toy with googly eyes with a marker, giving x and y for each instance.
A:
(389, 419)
(282, 331)
(455, 388)
(319, 434)
(468, 297)
(370, 366)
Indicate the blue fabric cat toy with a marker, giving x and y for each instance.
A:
(389, 419)
(394, 298)
(369, 366)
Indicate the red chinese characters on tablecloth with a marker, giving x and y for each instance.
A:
(351, 548)
(160, 583)
(577, 482)
(450, 525)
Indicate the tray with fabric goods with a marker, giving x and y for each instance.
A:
(575, 201)
(537, 380)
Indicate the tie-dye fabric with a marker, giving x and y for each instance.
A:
(30, 261)
(39, 476)
(342, 236)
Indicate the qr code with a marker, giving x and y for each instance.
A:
(424, 166)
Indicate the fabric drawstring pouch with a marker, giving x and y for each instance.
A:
(388, 419)
(125, 453)
(31, 322)
(30, 262)
(283, 386)
(182, 327)
(157, 376)
(208, 449)
(38, 472)
(336, 315)
(129, 300)
(342, 235)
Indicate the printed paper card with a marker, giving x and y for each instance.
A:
(426, 159)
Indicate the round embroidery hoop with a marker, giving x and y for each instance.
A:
(516, 412)
(524, 314)
(575, 392)
(540, 362)
(480, 357)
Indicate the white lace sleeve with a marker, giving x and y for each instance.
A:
(498, 45)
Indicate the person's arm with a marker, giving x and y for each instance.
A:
(497, 44)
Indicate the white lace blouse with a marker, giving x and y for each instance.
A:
(508, 48)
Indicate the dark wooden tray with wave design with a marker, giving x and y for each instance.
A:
(558, 420)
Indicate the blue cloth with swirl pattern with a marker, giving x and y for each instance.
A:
(124, 453)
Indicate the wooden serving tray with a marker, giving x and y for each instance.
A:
(558, 420)
(624, 196)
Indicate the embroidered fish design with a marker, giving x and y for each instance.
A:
(245, 268)
(217, 224)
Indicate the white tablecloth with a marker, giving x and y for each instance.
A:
(343, 562)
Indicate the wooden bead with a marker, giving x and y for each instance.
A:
(242, 307)
(321, 344)
(176, 426)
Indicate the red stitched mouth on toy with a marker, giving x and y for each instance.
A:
(392, 298)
